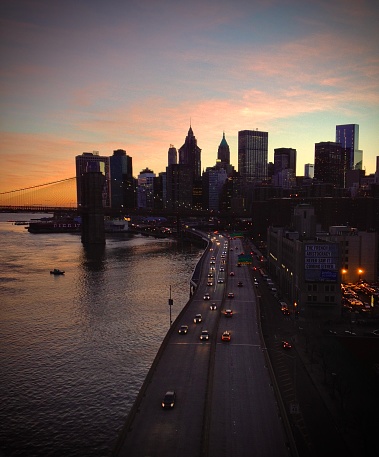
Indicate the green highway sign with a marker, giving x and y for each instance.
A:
(245, 258)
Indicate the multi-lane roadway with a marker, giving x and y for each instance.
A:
(225, 401)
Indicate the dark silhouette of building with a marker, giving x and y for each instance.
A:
(223, 154)
(284, 159)
(331, 163)
(172, 155)
(92, 161)
(190, 154)
(179, 186)
(91, 210)
(232, 197)
(121, 182)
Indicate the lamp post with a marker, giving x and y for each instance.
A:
(170, 303)
(343, 271)
(360, 271)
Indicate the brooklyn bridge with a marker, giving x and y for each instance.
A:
(49, 197)
(61, 196)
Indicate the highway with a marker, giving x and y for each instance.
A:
(225, 400)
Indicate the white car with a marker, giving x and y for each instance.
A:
(197, 319)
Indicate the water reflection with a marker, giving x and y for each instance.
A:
(93, 257)
(75, 349)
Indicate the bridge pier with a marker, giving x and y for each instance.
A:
(92, 210)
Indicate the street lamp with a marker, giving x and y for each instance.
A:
(360, 271)
(170, 303)
(343, 271)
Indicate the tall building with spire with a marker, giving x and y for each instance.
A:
(190, 154)
(223, 154)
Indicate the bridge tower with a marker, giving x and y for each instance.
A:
(91, 210)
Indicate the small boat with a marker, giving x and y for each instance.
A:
(56, 272)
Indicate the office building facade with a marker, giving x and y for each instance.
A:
(172, 155)
(121, 182)
(309, 170)
(252, 155)
(306, 269)
(145, 189)
(284, 159)
(331, 163)
(179, 186)
(348, 137)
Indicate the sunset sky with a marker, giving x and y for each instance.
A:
(91, 75)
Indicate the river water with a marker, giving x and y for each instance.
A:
(75, 349)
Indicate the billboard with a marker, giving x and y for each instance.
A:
(321, 262)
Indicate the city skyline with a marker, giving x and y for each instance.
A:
(136, 75)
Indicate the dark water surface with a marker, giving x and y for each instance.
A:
(75, 349)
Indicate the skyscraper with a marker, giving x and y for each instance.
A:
(92, 161)
(331, 163)
(121, 183)
(348, 136)
(145, 189)
(284, 159)
(213, 181)
(190, 154)
(309, 170)
(179, 185)
(252, 155)
(172, 155)
(223, 154)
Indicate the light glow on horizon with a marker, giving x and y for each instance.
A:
(130, 75)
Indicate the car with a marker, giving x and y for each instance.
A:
(222, 269)
(286, 312)
(169, 399)
(283, 305)
(231, 273)
(230, 295)
(207, 296)
(198, 318)
(220, 281)
(204, 335)
(286, 345)
(228, 313)
(256, 283)
(183, 329)
(210, 275)
(240, 284)
(213, 307)
(210, 283)
(225, 336)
